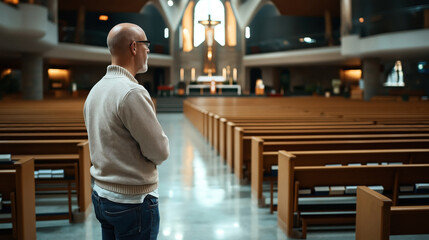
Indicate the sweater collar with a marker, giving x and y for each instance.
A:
(120, 71)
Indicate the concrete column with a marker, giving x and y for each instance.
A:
(346, 17)
(371, 77)
(32, 76)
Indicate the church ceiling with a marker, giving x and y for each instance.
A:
(307, 7)
(286, 7)
(132, 6)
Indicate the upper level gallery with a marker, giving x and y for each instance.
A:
(40, 27)
(359, 29)
(267, 34)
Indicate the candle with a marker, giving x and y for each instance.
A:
(192, 74)
(224, 73)
(234, 74)
(182, 74)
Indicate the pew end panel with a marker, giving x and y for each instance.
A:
(377, 219)
(84, 177)
(238, 154)
(257, 168)
(372, 215)
(230, 145)
(205, 123)
(210, 128)
(194, 114)
(17, 185)
(26, 198)
(222, 138)
(285, 198)
(215, 136)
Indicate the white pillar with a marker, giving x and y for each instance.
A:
(346, 17)
(32, 76)
(53, 9)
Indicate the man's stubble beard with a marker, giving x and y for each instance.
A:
(144, 67)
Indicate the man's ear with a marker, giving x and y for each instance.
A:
(133, 48)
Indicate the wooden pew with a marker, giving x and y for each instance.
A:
(42, 129)
(28, 125)
(58, 152)
(194, 114)
(244, 147)
(219, 126)
(31, 117)
(239, 143)
(264, 156)
(306, 169)
(43, 135)
(246, 108)
(17, 186)
(226, 129)
(377, 218)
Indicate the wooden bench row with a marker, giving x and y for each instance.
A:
(200, 110)
(264, 156)
(241, 146)
(295, 172)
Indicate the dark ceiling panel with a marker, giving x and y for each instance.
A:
(286, 7)
(103, 6)
(307, 7)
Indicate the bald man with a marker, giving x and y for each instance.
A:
(126, 141)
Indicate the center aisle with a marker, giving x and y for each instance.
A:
(201, 199)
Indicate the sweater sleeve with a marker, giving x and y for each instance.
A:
(138, 115)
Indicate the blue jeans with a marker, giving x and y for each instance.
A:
(127, 221)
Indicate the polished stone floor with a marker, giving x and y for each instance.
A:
(199, 198)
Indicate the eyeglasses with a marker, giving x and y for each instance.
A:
(146, 42)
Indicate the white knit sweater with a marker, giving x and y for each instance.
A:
(126, 141)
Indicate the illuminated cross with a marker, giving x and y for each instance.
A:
(209, 58)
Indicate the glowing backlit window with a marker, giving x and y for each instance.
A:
(201, 12)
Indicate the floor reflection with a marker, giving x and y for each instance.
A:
(204, 200)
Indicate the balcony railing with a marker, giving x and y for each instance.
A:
(98, 38)
(311, 40)
(410, 18)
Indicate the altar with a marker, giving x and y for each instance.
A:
(208, 79)
(210, 84)
(220, 89)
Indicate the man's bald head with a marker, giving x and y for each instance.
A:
(120, 37)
